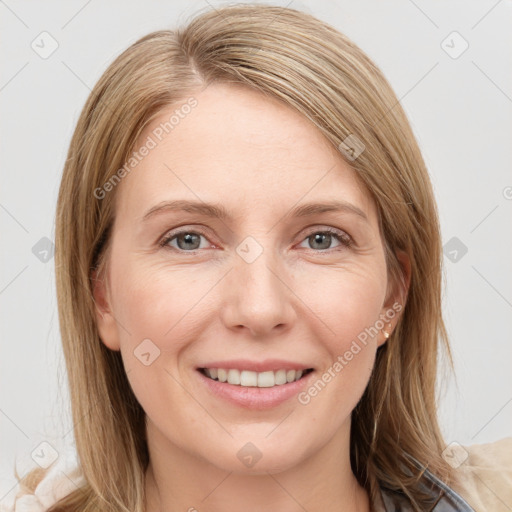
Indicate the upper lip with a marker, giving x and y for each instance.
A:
(256, 366)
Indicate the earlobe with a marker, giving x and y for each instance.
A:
(385, 334)
(105, 321)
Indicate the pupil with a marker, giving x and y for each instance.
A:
(322, 236)
(189, 239)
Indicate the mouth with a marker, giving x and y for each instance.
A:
(254, 385)
(246, 378)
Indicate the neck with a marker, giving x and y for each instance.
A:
(323, 481)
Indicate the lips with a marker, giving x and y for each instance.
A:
(262, 396)
(254, 384)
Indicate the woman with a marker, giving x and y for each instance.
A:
(249, 281)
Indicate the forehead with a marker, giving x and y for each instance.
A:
(240, 147)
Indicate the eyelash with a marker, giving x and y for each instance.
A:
(342, 237)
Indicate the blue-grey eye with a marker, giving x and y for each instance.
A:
(185, 240)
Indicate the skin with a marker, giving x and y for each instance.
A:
(299, 300)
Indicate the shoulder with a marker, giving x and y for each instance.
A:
(483, 474)
(62, 478)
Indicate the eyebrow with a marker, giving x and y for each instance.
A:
(218, 211)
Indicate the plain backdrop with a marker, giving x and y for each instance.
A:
(459, 103)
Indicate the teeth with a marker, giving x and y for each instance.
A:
(280, 377)
(233, 377)
(253, 379)
(248, 378)
(266, 380)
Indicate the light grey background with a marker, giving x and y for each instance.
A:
(460, 110)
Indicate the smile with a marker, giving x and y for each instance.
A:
(246, 378)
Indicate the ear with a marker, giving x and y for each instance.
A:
(107, 326)
(396, 298)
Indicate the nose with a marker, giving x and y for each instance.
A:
(258, 297)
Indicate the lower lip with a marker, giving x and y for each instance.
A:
(254, 397)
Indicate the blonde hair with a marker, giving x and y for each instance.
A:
(319, 72)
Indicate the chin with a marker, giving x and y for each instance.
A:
(259, 457)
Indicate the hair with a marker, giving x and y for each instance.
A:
(317, 71)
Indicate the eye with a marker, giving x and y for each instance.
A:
(185, 240)
(321, 240)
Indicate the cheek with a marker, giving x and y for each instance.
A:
(346, 301)
(160, 304)
(160, 310)
(348, 306)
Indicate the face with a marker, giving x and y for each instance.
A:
(270, 287)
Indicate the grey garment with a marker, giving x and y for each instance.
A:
(444, 498)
